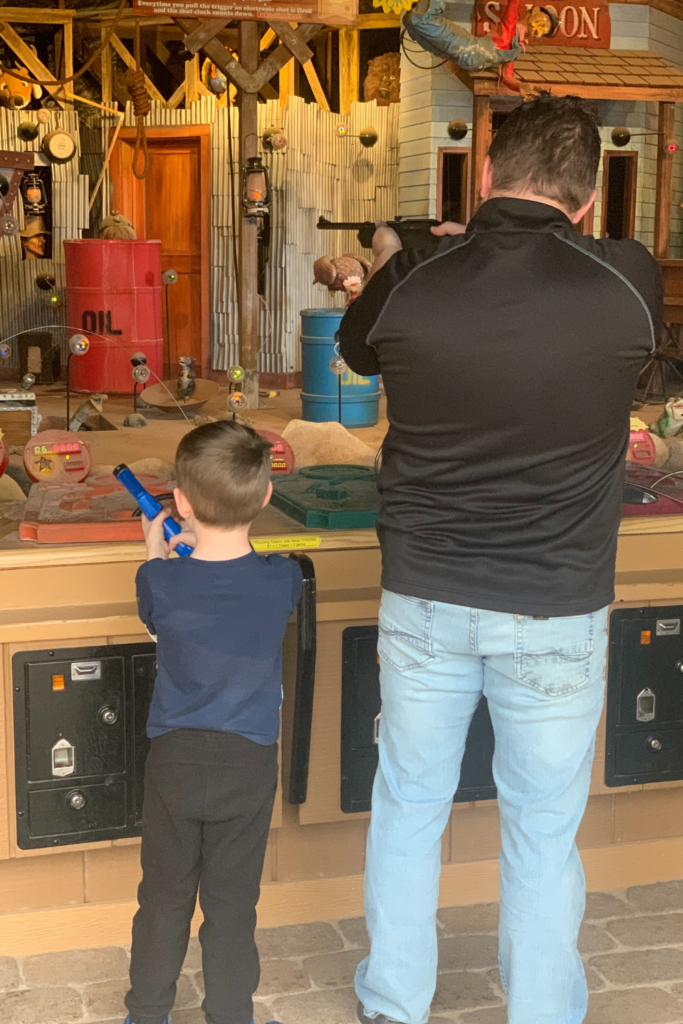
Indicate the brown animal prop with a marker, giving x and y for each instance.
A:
(383, 80)
(16, 93)
(333, 271)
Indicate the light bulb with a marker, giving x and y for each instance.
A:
(235, 374)
(341, 130)
(54, 299)
(337, 365)
(5, 350)
(141, 373)
(78, 344)
(27, 381)
(237, 400)
(169, 276)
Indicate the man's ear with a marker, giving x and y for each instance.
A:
(269, 494)
(181, 503)
(580, 214)
(486, 178)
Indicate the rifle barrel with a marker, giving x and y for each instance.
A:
(330, 225)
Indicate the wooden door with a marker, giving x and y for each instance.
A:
(172, 204)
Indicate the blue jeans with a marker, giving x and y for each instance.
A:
(544, 680)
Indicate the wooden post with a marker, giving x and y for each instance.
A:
(106, 69)
(248, 48)
(68, 57)
(664, 184)
(481, 140)
(192, 78)
(349, 68)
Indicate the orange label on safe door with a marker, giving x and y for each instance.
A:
(646, 636)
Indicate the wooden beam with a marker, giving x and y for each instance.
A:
(38, 16)
(286, 83)
(349, 68)
(177, 97)
(278, 58)
(68, 61)
(207, 30)
(31, 62)
(266, 39)
(639, 93)
(481, 140)
(219, 55)
(664, 181)
(289, 37)
(366, 21)
(105, 61)
(316, 85)
(129, 61)
(249, 307)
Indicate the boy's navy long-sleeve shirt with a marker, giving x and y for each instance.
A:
(219, 628)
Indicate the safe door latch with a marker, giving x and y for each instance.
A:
(668, 627)
(645, 705)
(63, 758)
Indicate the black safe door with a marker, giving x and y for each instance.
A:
(645, 696)
(80, 742)
(360, 707)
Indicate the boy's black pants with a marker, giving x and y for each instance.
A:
(207, 809)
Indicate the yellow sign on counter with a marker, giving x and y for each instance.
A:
(285, 543)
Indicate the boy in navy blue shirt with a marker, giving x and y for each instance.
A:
(219, 618)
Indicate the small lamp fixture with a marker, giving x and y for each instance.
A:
(368, 137)
(46, 282)
(622, 136)
(28, 131)
(170, 276)
(457, 130)
(255, 188)
(78, 346)
(5, 350)
(274, 140)
(236, 400)
(33, 194)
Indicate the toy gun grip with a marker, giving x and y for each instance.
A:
(149, 505)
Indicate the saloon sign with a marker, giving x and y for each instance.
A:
(580, 25)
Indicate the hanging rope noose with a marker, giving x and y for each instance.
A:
(141, 107)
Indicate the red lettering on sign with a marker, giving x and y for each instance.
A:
(586, 25)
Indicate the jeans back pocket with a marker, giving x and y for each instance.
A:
(405, 631)
(554, 655)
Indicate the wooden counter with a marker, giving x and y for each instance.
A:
(72, 595)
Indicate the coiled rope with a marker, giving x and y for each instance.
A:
(141, 107)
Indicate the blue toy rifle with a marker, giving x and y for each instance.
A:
(149, 505)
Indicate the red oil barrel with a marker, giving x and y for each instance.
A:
(113, 295)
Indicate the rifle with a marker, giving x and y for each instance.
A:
(413, 232)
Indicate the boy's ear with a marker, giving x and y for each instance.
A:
(181, 503)
(269, 494)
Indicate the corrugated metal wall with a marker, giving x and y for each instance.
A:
(22, 304)
(319, 173)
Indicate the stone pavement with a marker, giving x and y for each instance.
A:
(631, 942)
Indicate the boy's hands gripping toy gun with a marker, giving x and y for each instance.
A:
(150, 506)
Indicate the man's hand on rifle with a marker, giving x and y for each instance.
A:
(449, 227)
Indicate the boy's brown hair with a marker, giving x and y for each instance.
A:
(223, 469)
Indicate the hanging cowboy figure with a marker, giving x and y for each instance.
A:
(426, 24)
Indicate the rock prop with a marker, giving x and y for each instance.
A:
(322, 444)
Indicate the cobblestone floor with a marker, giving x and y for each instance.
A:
(631, 942)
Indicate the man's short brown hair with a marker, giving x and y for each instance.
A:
(223, 469)
(549, 145)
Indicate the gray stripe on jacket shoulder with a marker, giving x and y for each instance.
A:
(629, 284)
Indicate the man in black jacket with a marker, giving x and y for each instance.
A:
(510, 354)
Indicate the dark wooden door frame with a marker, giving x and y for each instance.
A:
(632, 156)
(465, 151)
(127, 205)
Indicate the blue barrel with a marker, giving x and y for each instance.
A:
(320, 387)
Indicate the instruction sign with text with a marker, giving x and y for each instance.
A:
(327, 12)
(586, 25)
